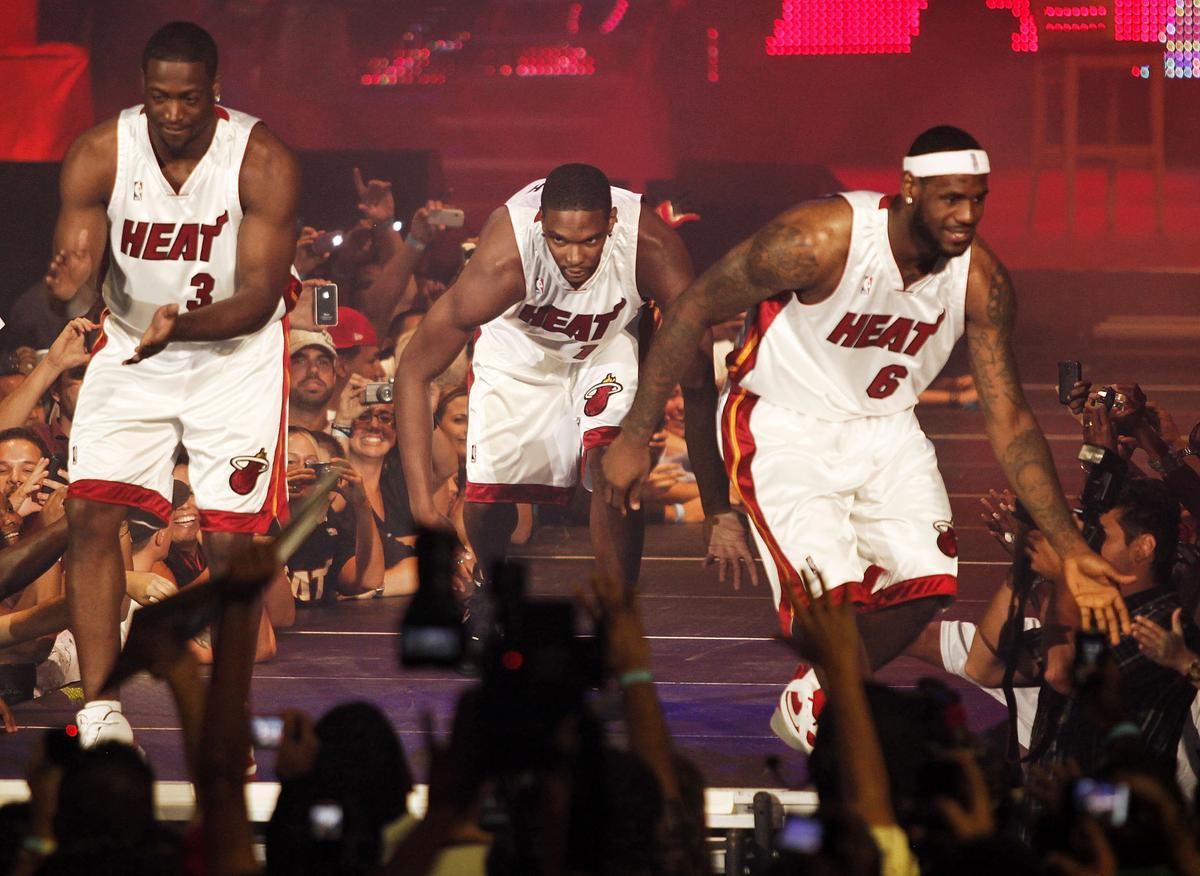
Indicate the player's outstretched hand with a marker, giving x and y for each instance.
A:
(157, 334)
(70, 268)
(625, 465)
(1095, 585)
(728, 547)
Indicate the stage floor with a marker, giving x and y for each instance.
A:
(717, 667)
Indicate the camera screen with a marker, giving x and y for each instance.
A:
(266, 731)
(325, 821)
(1104, 801)
(432, 643)
(801, 835)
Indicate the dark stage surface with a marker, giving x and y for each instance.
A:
(717, 668)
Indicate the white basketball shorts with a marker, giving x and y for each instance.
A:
(529, 428)
(863, 498)
(225, 402)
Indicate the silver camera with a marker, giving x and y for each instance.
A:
(377, 393)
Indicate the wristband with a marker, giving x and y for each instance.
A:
(677, 507)
(39, 845)
(341, 430)
(635, 676)
(1171, 460)
(413, 243)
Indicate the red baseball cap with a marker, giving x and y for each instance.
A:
(352, 330)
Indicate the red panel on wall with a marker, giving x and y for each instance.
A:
(48, 97)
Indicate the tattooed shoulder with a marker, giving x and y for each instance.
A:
(791, 252)
(992, 300)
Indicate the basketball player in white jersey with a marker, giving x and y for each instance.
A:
(184, 212)
(854, 303)
(555, 289)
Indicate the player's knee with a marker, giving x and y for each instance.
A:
(87, 518)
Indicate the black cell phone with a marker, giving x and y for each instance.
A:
(1090, 648)
(431, 633)
(325, 304)
(266, 731)
(1070, 372)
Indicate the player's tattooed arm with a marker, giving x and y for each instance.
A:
(787, 254)
(1022, 450)
(1020, 447)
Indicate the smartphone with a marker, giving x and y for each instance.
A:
(1070, 372)
(449, 217)
(1107, 802)
(325, 821)
(800, 835)
(266, 731)
(325, 304)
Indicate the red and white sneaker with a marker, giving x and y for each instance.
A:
(799, 710)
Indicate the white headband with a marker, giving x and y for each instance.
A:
(969, 161)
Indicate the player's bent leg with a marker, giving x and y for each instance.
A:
(95, 585)
(617, 541)
(887, 632)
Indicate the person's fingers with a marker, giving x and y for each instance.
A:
(359, 185)
(1177, 621)
(1121, 617)
(1112, 624)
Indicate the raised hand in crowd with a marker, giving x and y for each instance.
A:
(350, 404)
(301, 318)
(1166, 647)
(68, 351)
(375, 200)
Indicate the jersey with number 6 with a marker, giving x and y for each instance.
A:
(168, 247)
(870, 347)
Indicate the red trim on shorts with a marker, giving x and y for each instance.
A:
(741, 361)
(117, 493)
(236, 521)
(914, 588)
(537, 494)
(739, 449)
(601, 436)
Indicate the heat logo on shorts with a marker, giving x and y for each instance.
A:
(597, 397)
(947, 540)
(246, 470)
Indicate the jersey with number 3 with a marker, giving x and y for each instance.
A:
(871, 347)
(168, 247)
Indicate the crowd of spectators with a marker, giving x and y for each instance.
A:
(1094, 773)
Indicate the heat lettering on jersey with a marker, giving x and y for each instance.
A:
(898, 334)
(171, 241)
(576, 326)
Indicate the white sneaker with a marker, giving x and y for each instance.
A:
(61, 666)
(800, 706)
(101, 721)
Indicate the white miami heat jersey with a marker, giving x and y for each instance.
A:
(168, 247)
(556, 323)
(867, 350)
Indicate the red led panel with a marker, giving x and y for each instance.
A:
(615, 15)
(552, 61)
(1025, 37)
(714, 55)
(846, 27)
